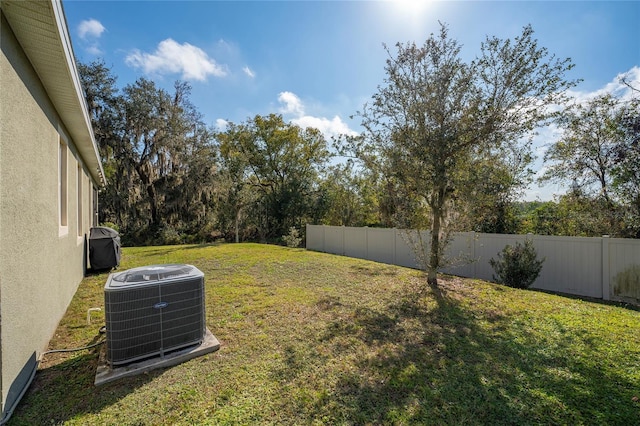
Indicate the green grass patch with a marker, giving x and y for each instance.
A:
(312, 338)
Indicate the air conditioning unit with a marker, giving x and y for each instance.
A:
(153, 310)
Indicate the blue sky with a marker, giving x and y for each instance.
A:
(317, 62)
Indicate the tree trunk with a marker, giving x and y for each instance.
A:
(437, 203)
(434, 256)
(155, 215)
(153, 198)
(237, 225)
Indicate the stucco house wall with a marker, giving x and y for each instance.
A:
(47, 186)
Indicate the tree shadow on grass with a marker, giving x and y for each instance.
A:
(65, 390)
(617, 303)
(433, 361)
(167, 250)
(375, 270)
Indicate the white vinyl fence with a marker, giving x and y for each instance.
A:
(604, 268)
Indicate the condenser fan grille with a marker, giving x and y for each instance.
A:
(153, 273)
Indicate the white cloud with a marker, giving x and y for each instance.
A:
(90, 28)
(249, 72)
(226, 46)
(172, 57)
(621, 90)
(292, 105)
(89, 32)
(221, 124)
(633, 76)
(329, 128)
(615, 87)
(94, 50)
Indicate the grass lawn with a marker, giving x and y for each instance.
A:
(312, 338)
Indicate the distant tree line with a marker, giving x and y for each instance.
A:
(445, 147)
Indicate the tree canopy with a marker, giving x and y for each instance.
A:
(597, 154)
(435, 116)
(280, 162)
(445, 146)
(158, 155)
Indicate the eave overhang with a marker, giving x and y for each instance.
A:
(41, 29)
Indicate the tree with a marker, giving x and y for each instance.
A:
(545, 219)
(572, 214)
(108, 118)
(281, 163)
(349, 197)
(158, 156)
(590, 151)
(584, 155)
(487, 201)
(189, 190)
(435, 114)
(235, 193)
(626, 172)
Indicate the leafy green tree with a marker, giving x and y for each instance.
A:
(158, 156)
(108, 120)
(435, 114)
(349, 197)
(545, 220)
(235, 192)
(571, 214)
(487, 201)
(626, 172)
(281, 163)
(189, 187)
(585, 154)
(167, 140)
(596, 155)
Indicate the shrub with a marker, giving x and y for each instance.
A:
(517, 266)
(168, 235)
(111, 225)
(293, 239)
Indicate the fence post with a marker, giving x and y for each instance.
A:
(366, 242)
(474, 261)
(395, 233)
(605, 268)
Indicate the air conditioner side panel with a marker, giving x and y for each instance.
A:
(183, 318)
(133, 324)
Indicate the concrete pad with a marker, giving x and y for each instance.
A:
(106, 374)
